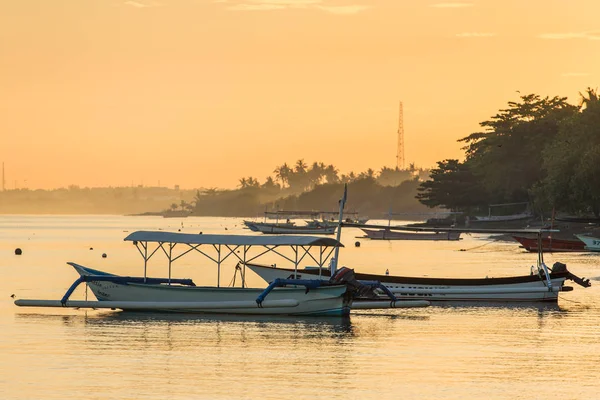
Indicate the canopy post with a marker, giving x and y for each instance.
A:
(246, 248)
(145, 246)
(171, 245)
(219, 266)
(295, 262)
(320, 261)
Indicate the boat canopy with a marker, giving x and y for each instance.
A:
(231, 240)
(218, 248)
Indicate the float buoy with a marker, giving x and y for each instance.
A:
(18, 251)
(103, 255)
(357, 244)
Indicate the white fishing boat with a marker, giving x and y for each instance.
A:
(591, 243)
(265, 227)
(541, 284)
(257, 226)
(388, 234)
(304, 297)
(505, 218)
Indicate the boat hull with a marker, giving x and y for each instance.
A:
(325, 300)
(527, 288)
(591, 243)
(292, 230)
(551, 244)
(387, 234)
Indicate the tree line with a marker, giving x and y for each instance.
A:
(540, 150)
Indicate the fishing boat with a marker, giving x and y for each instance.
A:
(542, 284)
(265, 227)
(591, 243)
(257, 226)
(305, 297)
(387, 234)
(550, 244)
(281, 297)
(505, 218)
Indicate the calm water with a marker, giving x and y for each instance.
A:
(437, 352)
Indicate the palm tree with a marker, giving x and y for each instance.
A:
(282, 174)
(243, 183)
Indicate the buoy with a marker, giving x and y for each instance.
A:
(200, 233)
(91, 248)
(18, 251)
(103, 255)
(225, 228)
(357, 244)
(387, 271)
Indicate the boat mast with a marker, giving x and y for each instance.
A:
(334, 264)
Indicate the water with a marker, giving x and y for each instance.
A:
(516, 352)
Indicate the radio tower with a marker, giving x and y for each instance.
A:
(400, 155)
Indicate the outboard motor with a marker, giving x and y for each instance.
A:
(346, 276)
(559, 267)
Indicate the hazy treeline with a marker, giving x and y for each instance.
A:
(314, 187)
(544, 151)
(76, 200)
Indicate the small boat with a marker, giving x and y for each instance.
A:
(256, 226)
(591, 243)
(550, 244)
(526, 288)
(388, 234)
(304, 297)
(265, 227)
(503, 218)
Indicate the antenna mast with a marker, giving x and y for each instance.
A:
(400, 155)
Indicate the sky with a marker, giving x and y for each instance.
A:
(200, 93)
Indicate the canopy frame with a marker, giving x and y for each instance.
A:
(223, 246)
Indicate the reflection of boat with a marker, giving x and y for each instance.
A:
(591, 243)
(387, 234)
(550, 244)
(305, 297)
(526, 288)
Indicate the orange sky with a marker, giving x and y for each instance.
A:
(202, 92)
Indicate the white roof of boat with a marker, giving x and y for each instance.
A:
(234, 240)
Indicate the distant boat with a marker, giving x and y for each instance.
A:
(387, 234)
(257, 226)
(176, 214)
(265, 227)
(591, 243)
(503, 218)
(551, 244)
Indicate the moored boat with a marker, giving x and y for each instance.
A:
(304, 297)
(550, 244)
(387, 234)
(526, 288)
(265, 227)
(591, 243)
